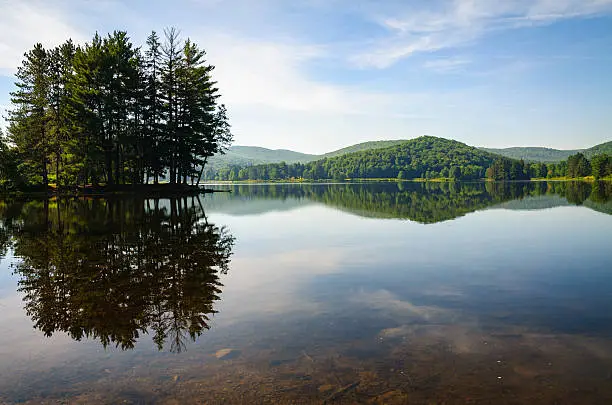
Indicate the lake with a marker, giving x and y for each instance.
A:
(377, 293)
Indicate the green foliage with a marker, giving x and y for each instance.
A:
(424, 157)
(548, 155)
(578, 166)
(243, 156)
(601, 166)
(601, 149)
(533, 154)
(363, 147)
(541, 162)
(106, 112)
(425, 202)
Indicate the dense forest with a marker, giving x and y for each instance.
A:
(111, 113)
(426, 157)
(548, 155)
(534, 154)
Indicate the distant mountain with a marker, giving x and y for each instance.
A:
(363, 146)
(423, 157)
(534, 154)
(243, 156)
(599, 149)
(540, 154)
(255, 155)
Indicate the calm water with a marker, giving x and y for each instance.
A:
(363, 293)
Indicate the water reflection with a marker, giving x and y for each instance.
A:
(501, 307)
(113, 270)
(434, 202)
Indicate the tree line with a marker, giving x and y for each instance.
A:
(576, 166)
(422, 158)
(108, 112)
(430, 202)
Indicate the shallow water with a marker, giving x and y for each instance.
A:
(344, 293)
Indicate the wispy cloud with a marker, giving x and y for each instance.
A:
(459, 22)
(273, 75)
(25, 23)
(447, 65)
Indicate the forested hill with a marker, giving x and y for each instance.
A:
(539, 154)
(255, 155)
(363, 146)
(424, 157)
(244, 156)
(534, 154)
(603, 148)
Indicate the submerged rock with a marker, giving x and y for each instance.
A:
(227, 354)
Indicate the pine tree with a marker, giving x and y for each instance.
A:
(153, 108)
(29, 120)
(171, 64)
(60, 75)
(94, 149)
(105, 112)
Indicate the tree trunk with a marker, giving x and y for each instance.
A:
(117, 166)
(202, 170)
(57, 169)
(45, 174)
(109, 167)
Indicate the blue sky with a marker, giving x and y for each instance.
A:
(316, 75)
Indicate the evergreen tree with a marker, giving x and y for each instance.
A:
(578, 166)
(104, 112)
(29, 120)
(600, 165)
(153, 108)
(171, 64)
(196, 106)
(60, 75)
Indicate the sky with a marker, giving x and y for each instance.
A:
(317, 75)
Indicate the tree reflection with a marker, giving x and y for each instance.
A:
(116, 269)
(431, 202)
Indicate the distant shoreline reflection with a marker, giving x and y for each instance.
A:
(431, 202)
(116, 269)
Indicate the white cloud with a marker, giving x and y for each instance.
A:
(459, 22)
(273, 75)
(23, 24)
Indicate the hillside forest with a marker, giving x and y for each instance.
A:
(425, 157)
(112, 113)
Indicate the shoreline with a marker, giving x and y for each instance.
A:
(166, 189)
(104, 191)
(588, 179)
